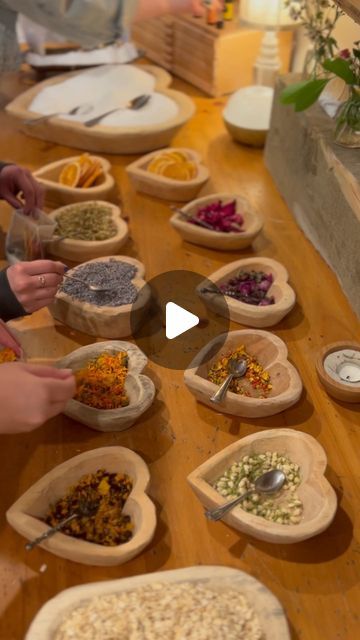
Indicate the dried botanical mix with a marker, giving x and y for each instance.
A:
(223, 217)
(173, 164)
(7, 355)
(82, 173)
(114, 275)
(101, 382)
(164, 611)
(88, 221)
(250, 287)
(108, 526)
(255, 383)
(285, 507)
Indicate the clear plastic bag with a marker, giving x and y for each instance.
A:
(28, 235)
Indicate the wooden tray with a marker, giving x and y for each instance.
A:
(272, 354)
(163, 187)
(24, 515)
(249, 314)
(125, 140)
(58, 195)
(140, 389)
(84, 250)
(253, 224)
(317, 495)
(106, 322)
(266, 606)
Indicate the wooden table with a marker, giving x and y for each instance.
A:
(317, 580)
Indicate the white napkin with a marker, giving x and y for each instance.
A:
(104, 88)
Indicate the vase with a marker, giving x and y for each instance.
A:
(347, 131)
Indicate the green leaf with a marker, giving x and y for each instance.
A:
(303, 94)
(340, 68)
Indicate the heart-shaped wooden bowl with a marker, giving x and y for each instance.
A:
(58, 195)
(222, 241)
(315, 492)
(26, 514)
(163, 187)
(139, 388)
(103, 139)
(265, 605)
(330, 363)
(249, 314)
(106, 322)
(84, 250)
(271, 353)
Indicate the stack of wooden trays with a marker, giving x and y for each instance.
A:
(155, 37)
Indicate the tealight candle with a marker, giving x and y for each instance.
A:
(338, 367)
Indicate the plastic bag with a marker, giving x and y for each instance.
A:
(8, 342)
(28, 235)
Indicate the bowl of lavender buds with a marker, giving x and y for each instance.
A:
(222, 221)
(256, 292)
(105, 297)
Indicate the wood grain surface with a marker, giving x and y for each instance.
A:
(317, 581)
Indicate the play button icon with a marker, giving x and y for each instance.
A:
(177, 323)
(178, 320)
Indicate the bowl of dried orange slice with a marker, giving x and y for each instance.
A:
(76, 179)
(172, 174)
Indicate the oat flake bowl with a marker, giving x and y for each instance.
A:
(139, 389)
(228, 597)
(27, 513)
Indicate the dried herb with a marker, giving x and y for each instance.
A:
(92, 222)
(101, 383)
(255, 383)
(7, 355)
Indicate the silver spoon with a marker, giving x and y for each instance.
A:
(86, 508)
(188, 216)
(92, 287)
(82, 109)
(237, 369)
(134, 105)
(269, 482)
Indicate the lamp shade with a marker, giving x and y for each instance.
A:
(267, 14)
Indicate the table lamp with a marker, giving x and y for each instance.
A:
(270, 15)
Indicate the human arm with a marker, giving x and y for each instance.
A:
(26, 287)
(15, 180)
(32, 394)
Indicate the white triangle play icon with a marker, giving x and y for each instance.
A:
(178, 320)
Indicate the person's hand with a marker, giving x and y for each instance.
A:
(31, 394)
(16, 181)
(35, 283)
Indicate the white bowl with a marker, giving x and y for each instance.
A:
(247, 114)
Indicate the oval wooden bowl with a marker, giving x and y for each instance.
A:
(58, 195)
(140, 389)
(26, 513)
(266, 606)
(249, 314)
(84, 250)
(253, 224)
(317, 495)
(270, 351)
(123, 140)
(345, 392)
(106, 322)
(163, 187)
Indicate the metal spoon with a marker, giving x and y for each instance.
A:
(86, 508)
(134, 105)
(237, 369)
(83, 109)
(269, 482)
(188, 216)
(92, 287)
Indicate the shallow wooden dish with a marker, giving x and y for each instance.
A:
(317, 495)
(140, 389)
(58, 195)
(106, 322)
(253, 224)
(124, 140)
(84, 250)
(266, 606)
(163, 187)
(340, 390)
(249, 314)
(270, 351)
(26, 513)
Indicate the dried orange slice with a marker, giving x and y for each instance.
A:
(95, 166)
(177, 171)
(97, 172)
(70, 174)
(178, 156)
(158, 163)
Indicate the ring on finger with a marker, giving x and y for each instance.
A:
(42, 281)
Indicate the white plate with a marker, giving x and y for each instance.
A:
(264, 603)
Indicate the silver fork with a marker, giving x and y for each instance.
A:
(83, 109)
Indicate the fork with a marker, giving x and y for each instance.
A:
(83, 109)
